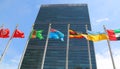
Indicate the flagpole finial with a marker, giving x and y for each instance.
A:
(103, 25)
(33, 25)
(2, 25)
(86, 28)
(86, 25)
(17, 25)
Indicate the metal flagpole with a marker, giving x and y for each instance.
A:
(7, 46)
(113, 63)
(89, 53)
(67, 50)
(45, 49)
(1, 27)
(19, 66)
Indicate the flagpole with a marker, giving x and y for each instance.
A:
(7, 46)
(67, 50)
(89, 53)
(45, 49)
(19, 66)
(1, 27)
(113, 63)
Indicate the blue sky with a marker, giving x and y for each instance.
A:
(24, 12)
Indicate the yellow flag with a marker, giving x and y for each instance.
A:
(95, 38)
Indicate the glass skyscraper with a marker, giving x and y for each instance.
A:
(60, 15)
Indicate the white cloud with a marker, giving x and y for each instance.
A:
(104, 60)
(15, 59)
(10, 64)
(101, 20)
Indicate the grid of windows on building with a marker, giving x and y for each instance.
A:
(60, 15)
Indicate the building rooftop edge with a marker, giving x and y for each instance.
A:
(52, 5)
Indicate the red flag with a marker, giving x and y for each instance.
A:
(18, 34)
(4, 33)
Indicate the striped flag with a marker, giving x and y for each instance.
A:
(95, 36)
(74, 34)
(114, 34)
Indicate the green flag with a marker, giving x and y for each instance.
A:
(37, 34)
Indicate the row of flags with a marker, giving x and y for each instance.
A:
(5, 33)
(112, 35)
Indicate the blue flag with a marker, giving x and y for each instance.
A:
(55, 34)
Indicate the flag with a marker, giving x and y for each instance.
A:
(4, 33)
(55, 34)
(18, 34)
(74, 34)
(95, 38)
(114, 34)
(37, 34)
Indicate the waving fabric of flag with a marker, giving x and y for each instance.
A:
(95, 36)
(55, 34)
(74, 34)
(37, 34)
(4, 33)
(114, 34)
(18, 34)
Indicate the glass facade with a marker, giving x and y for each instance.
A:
(60, 15)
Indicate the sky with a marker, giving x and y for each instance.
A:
(24, 13)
